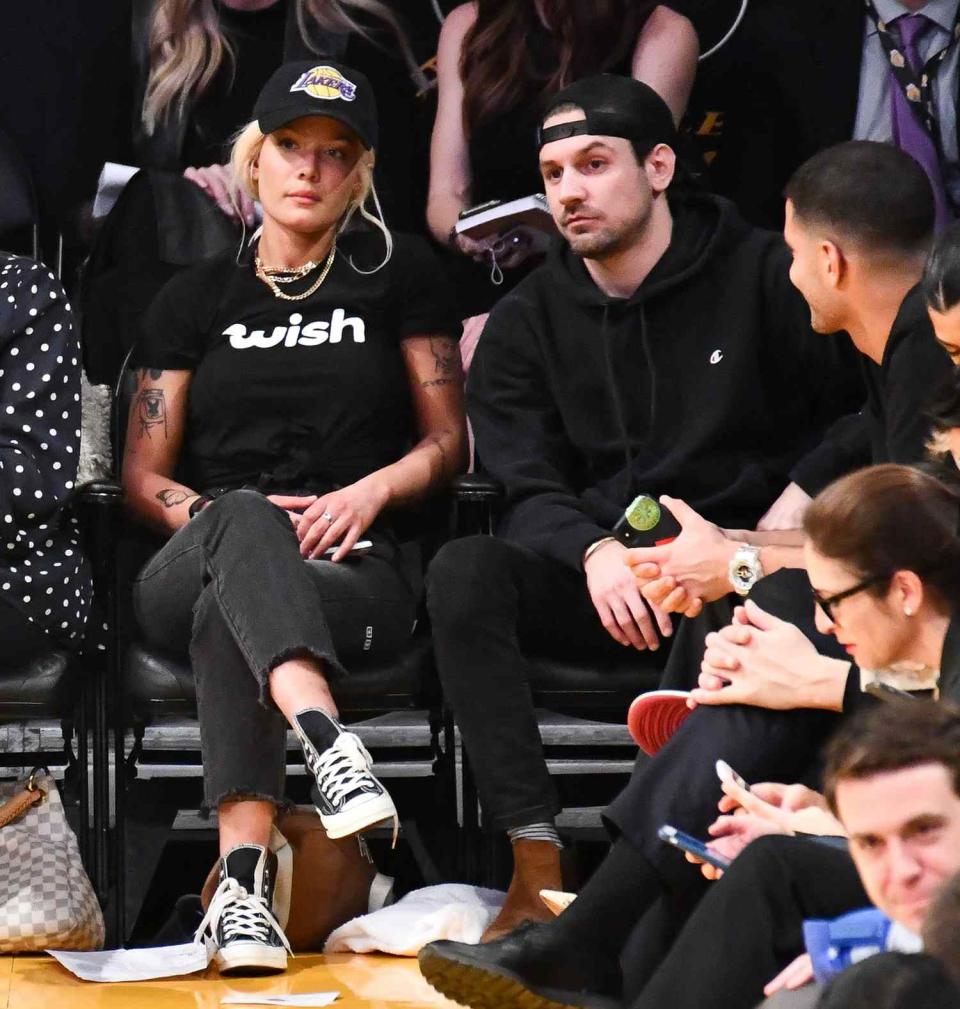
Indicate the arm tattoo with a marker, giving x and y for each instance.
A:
(445, 355)
(151, 411)
(171, 497)
(446, 363)
(149, 373)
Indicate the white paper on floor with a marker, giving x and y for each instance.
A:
(136, 964)
(446, 911)
(317, 998)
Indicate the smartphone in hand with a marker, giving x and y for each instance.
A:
(646, 523)
(726, 773)
(678, 839)
(358, 549)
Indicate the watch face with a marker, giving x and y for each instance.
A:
(643, 513)
(743, 573)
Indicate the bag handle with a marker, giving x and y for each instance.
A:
(19, 803)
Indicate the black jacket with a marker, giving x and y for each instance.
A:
(706, 384)
(893, 425)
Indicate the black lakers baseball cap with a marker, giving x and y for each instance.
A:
(318, 87)
(613, 106)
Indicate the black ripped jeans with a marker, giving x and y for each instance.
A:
(231, 592)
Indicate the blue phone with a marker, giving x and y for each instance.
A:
(670, 835)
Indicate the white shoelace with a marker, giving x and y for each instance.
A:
(243, 912)
(344, 767)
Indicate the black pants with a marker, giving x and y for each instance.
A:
(747, 928)
(491, 603)
(231, 591)
(679, 785)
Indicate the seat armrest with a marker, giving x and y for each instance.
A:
(102, 493)
(477, 487)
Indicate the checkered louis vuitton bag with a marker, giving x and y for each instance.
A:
(46, 898)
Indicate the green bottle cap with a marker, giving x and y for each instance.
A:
(643, 513)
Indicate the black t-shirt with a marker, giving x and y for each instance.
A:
(308, 394)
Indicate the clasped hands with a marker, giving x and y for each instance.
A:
(335, 519)
(681, 576)
(632, 595)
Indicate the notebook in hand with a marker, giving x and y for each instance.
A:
(499, 217)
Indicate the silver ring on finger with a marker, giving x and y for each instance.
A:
(327, 517)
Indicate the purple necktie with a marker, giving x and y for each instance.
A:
(908, 133)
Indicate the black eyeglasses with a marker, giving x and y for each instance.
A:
(827, 603)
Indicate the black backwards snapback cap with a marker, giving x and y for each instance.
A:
(318, 87)
(613, 106)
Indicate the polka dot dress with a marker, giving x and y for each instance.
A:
(42, 569)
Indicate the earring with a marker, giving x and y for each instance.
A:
(907, 612)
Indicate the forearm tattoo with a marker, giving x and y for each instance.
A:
(446, 363)
(170, 496)
(151, 411)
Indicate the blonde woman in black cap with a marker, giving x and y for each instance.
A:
(289, 398)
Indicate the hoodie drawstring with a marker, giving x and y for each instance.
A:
(651, 367)
(629, 491)
(617, 406)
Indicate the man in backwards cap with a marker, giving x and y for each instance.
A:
(660, 349)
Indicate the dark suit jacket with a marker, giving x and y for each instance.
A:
(788, 88)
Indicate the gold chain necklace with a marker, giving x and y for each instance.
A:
(274, 277)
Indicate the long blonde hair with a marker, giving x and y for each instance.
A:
(245, 151)
(187, 47)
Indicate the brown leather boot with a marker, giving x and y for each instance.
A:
(536, 867)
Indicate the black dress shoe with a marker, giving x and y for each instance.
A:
(528, 969)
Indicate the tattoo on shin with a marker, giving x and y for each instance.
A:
(170, 496)
(151, 411)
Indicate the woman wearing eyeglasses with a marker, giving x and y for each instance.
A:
(883, 557)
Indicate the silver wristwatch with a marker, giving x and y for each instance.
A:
(745, 569)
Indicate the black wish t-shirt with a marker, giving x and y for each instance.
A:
(308, 394)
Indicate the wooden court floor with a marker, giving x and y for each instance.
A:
(371, 982)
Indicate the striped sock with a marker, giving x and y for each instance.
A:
(544, 831)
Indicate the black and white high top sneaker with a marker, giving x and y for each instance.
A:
(348, 797)
(240, 919)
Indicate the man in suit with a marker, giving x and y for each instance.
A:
(802, 77)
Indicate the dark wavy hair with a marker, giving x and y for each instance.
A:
(589, 36)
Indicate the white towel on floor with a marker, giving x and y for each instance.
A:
(448, 911)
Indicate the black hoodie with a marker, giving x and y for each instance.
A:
(707, 384)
